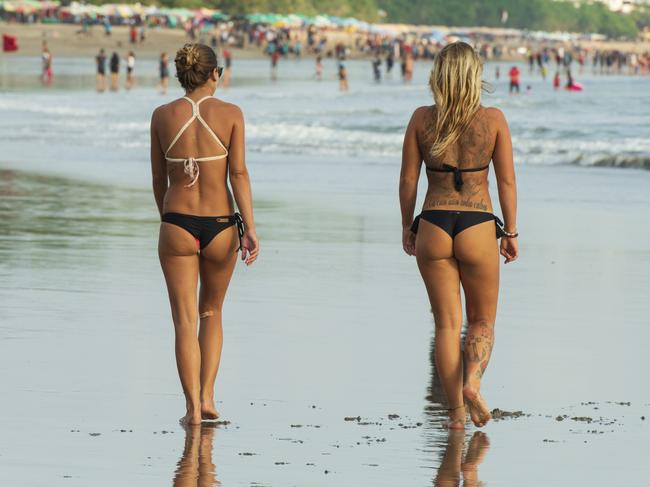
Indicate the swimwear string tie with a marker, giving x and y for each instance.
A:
(239, 221)
(500, 225)
(458, 176)
(191, 168)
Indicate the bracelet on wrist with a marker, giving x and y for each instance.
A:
(514, 234)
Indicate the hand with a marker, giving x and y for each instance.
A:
(250, 247)
(509, 249)
(408, 241)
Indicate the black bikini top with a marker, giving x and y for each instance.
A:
(458, 176)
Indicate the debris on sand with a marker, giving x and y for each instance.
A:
(247, 454)
(393, 416)
(502, 414)
(352, 418)
(94, 434)
(585, 419)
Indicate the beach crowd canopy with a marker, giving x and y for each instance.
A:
(53, 11)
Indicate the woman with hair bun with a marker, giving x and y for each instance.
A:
(454, 239)
(197, 144)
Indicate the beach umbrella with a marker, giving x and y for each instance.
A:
(8, 7)
(322, 21)
(22, 6)
(107, 10)
(124, 11)
(204, 13)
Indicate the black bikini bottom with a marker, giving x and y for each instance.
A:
(205, 228)
(453, 222)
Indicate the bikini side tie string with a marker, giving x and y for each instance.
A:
(239, 221)
(191, 168)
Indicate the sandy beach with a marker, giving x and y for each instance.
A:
(327, 377)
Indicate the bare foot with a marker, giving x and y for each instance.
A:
(191, 418)
(457, 417)
(208, 411)
(478, 410)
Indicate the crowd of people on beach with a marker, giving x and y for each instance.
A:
(385, 50)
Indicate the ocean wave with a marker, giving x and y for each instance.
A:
(636, 162)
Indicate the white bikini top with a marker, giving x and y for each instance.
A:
(191, 164)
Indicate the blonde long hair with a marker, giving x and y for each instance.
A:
(456, 86)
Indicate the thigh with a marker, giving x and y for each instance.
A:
(477, 251)
(439, 270)
(180, 265)
(217, 263)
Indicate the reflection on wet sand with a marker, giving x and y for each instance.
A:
(195, 467)
(453, 467)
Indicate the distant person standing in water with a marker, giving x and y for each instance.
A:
(390, 62)
(376, 68)
(514, 79)
(408, 66)
(343, 77)
(275, 57)
(115, 71)
(164, 73)
(319, 68)
(455, 237)
(197, 146)
(556, 80)
(227, 72)
(130, 66)
(46, 58)
(100, 60)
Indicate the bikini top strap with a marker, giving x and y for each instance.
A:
(450, 168)
(196, 114)
(205, 124)
(476, 169)
(184, 127)
(458, 176)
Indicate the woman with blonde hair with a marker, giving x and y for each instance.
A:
(197, 144)
(454, 239)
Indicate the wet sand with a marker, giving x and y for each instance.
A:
(332, 324)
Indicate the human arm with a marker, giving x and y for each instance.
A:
(241, 187)
(158, 166)
(408, 181)
(504, 168)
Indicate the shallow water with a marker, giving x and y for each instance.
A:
(331, 322)
(605, 125)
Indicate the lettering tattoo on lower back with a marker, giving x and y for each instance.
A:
(472, 205)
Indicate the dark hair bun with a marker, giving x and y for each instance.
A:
(194, 63)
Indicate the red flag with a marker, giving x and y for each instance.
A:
(9, 43)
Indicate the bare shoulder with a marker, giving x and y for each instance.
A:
(495, 116)
(422, 112)
(226, 110)
(158, 116)
(157, 112)
(419, 118)
(161, 111)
